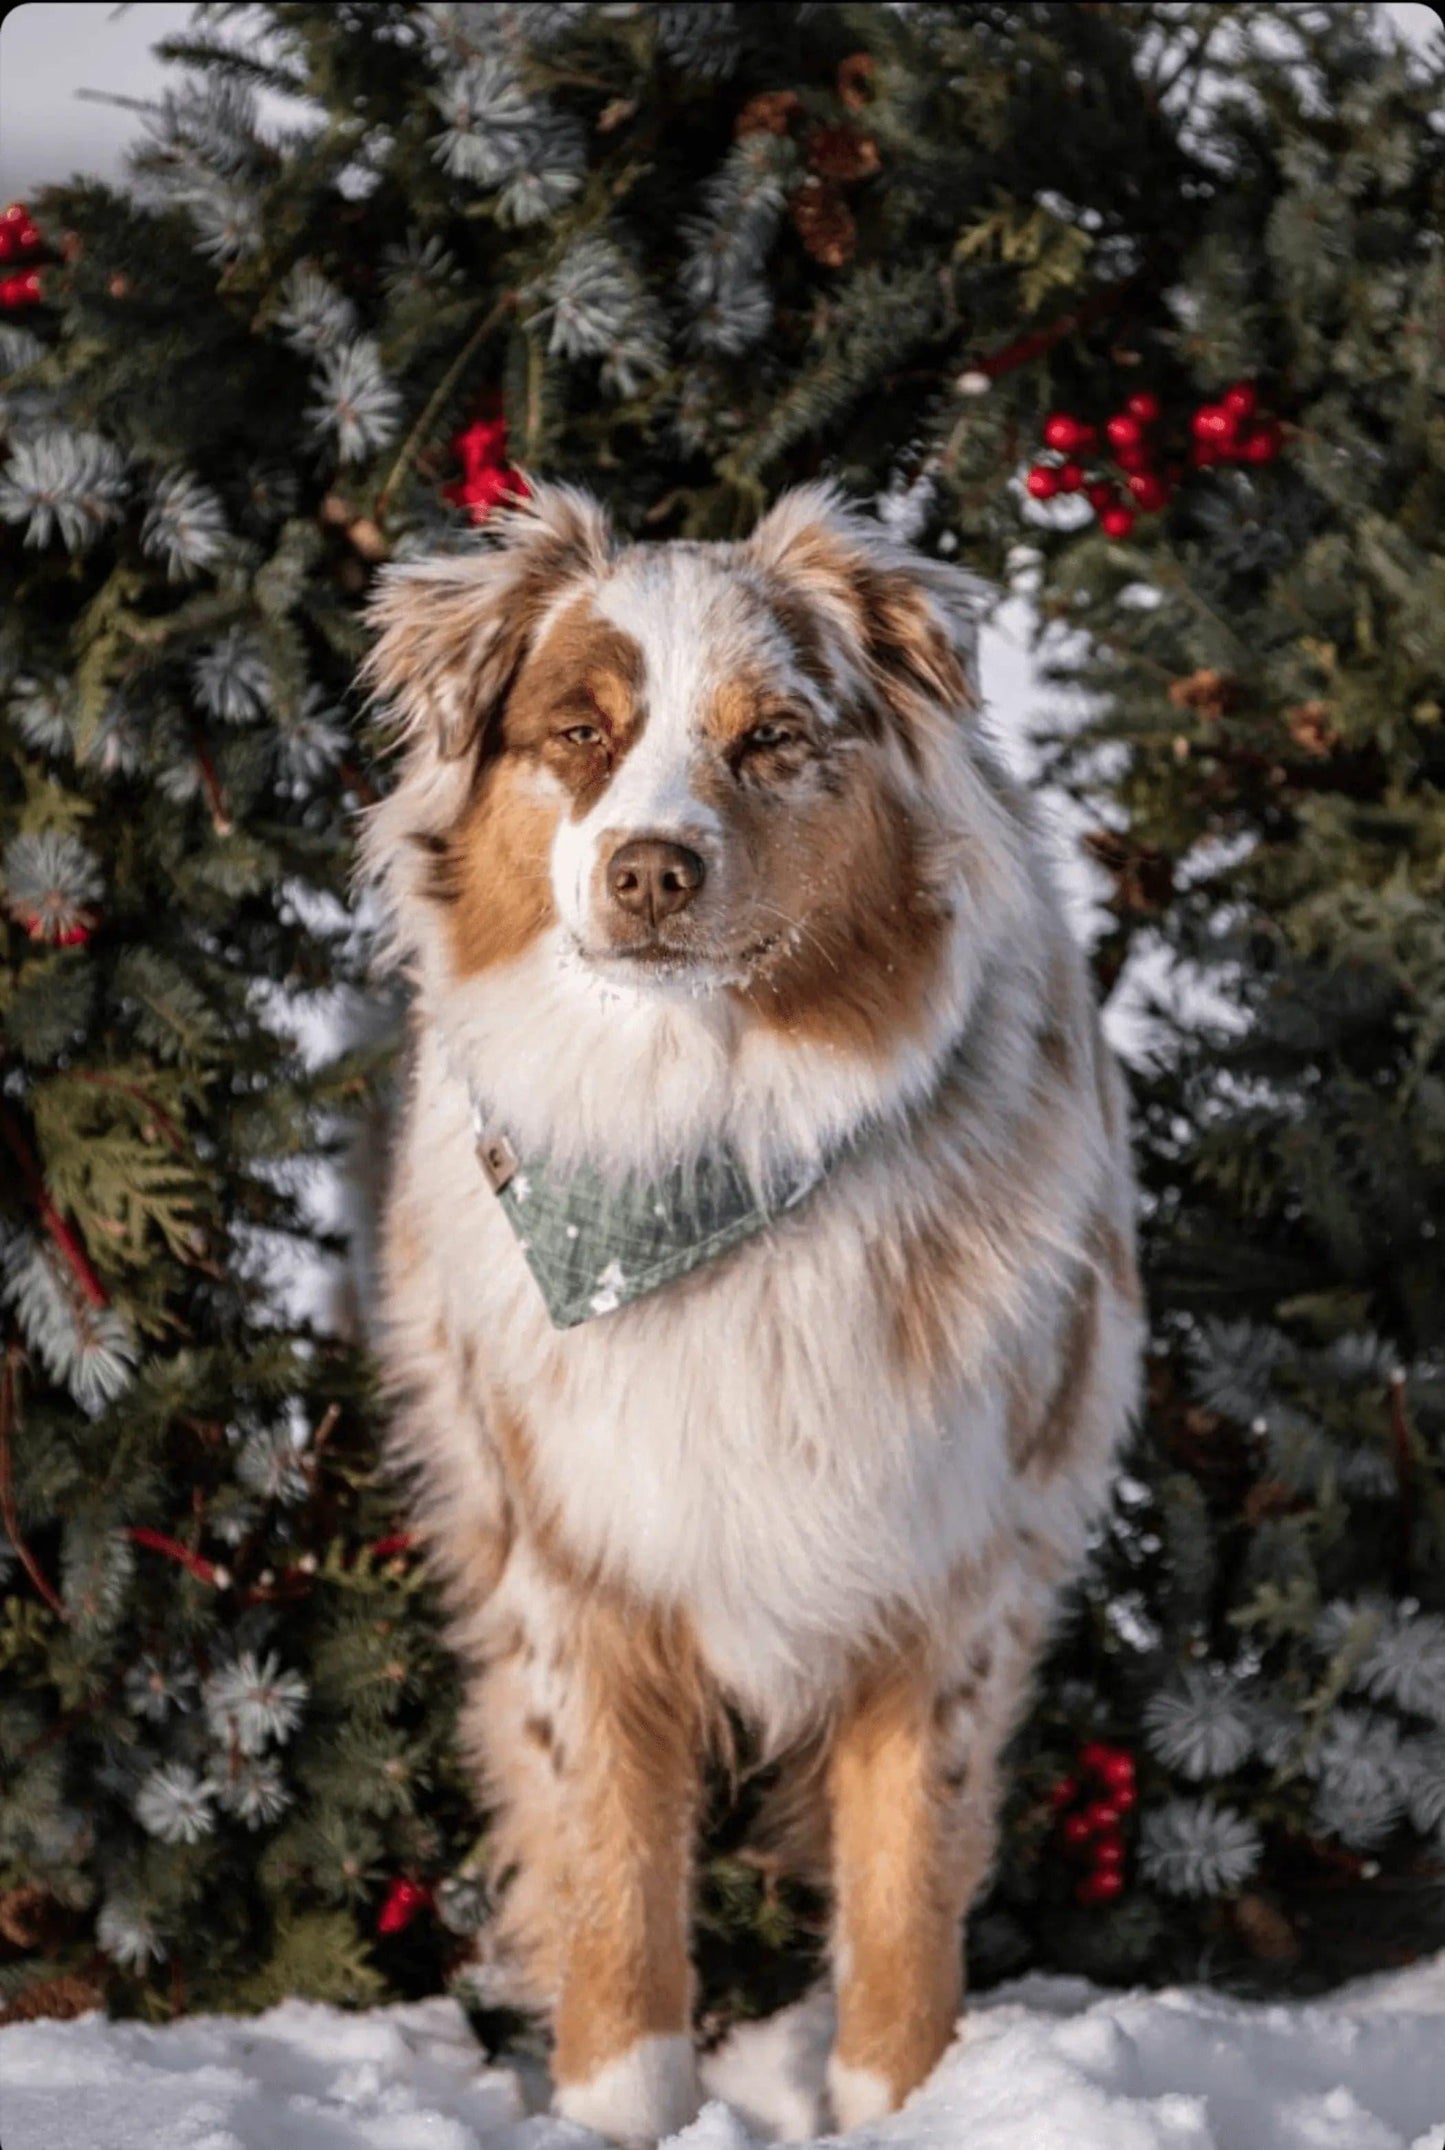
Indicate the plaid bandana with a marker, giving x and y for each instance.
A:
(592, 1247)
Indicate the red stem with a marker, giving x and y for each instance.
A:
(156, 1541)
(66, 1238)
(1044, 339)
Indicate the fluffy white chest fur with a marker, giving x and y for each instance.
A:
(742, 1447)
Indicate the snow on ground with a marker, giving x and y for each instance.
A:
(1048, 2064)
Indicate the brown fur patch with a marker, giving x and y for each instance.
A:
(871, 928)
(497, 878)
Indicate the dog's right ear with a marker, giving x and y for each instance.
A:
(452, 631)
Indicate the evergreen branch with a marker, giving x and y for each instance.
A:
(437, 400)
(165, 1125)
(9, 1415)
(1093, 309)
(66, 1238)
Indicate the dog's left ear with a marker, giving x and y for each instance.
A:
(453, 630)
(909, 621)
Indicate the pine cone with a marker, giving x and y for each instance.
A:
(824, 223)
(61, 1998)
(842, 154)
(855, 79)
(1310, 729)
(1212, 694)
(30, 1915)
(1264, 1929)
(767, 113)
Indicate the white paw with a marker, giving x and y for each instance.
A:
(858, 2094)
(649, 2091)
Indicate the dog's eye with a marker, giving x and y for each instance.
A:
(582, 735)
(769, 735)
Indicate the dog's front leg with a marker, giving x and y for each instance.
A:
(623, 2058)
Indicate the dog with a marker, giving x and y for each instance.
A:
(759, 1289)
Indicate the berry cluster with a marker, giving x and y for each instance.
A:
(19, 237)
(1091, 1807)
(404, 1900)
(487, 477)
(1229, 431)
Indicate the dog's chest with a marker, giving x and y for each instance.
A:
(743, 1446)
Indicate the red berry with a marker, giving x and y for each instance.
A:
(1212, 422)
(15, 213)
(1085, 437)
(1077, 1831)
(1124, 430)
(1116, 522)
(1144, 407)
(7, 242)
(1242, 400)
(1061, 431)
(1262, 443)
(1118, 1772)
(1042, 482)
(1071, 477)
(404, 1899)
(1137, 458)
(1150, 490)
(1100, 1887)
(1101, 494)
(1063, 1794)
(1104, 1817)
(1108, 1851)
(1095, 1756)
(72, 936)
(1203, 453)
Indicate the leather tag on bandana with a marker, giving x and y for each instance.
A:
(593, 1246)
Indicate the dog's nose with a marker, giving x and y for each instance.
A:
(652, 878)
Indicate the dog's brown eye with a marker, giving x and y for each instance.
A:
(582, 735)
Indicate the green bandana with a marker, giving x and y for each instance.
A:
(592, 1247)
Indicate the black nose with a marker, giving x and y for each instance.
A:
(652, 879)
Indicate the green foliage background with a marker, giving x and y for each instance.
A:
(236, 398)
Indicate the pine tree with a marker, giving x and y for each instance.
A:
(686, 256)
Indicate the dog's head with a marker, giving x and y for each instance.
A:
(716, 767)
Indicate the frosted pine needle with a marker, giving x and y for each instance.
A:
(127, 1934)
(270, 1465)
(598, 308)
(355, 403)
(50, 882)
(1406, 1666)
(1200, 1725)
(175, 1803)
(232, 679)
(64, 484)
(185, 525)
(314, 315)
(88, 1349)
(41, 709)
(155, 1689)
(255, 1792)
(250, 1701)
(1190, 1847)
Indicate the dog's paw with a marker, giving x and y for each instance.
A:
(649, 2091)
(858, 2095)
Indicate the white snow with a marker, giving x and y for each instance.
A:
(1048, 2064)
